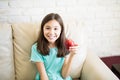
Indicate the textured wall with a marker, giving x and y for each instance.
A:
(100, 18)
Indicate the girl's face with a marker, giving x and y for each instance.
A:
(52, 30)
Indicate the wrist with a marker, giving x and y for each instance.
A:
(71, 55)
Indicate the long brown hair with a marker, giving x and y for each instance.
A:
(42, 43)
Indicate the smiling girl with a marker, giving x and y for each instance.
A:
(52, 58)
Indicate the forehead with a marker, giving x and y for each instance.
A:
(52, 23)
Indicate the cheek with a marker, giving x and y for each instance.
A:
(45, 31)
(59, 32)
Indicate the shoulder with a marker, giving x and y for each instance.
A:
(35, 55)
(34, 46)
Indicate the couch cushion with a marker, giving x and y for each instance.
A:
(77, 34)
(25, 34)
(6, 53)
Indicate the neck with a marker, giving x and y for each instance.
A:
(51, 45)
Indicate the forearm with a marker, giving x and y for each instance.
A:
(43, 76)
(42, 71)
(68, 61)
(67, 66)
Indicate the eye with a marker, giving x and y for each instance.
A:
(47, 28)
(55, 29)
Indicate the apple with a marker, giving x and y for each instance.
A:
(70, 43)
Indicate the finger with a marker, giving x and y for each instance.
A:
(72, 47)
(75, 44)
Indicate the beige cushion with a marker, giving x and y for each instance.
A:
(76, 33)
(25, 35)
(6, 53)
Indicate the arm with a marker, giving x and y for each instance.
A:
(95, 69)
(42, 72)
(67, 66)
(67, 63)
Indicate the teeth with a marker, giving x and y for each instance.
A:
(51, 37)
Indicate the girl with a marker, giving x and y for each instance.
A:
(52, 58)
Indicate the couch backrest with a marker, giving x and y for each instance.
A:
(6, 53)
(25, 34)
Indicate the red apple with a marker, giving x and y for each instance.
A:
(69, 43)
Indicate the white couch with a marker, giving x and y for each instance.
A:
(15, 45)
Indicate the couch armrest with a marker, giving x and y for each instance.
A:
(95, 69)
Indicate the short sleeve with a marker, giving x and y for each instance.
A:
(35, 55)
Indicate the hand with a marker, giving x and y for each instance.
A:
(73, 49)
(70, 43)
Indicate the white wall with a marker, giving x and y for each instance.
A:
(100, 18)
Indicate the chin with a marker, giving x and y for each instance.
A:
(51, 41)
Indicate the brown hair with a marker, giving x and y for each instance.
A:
(42, 43)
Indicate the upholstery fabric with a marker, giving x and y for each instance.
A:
(89, 71)
(15, 50)
(6, 53)
(28, 34)
(24, 36)
(73, 32)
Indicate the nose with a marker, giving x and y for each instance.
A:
(51, 31)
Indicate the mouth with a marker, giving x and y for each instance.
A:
(51, 37)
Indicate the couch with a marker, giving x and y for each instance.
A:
(15, 49)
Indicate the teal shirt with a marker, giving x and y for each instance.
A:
(53, 64)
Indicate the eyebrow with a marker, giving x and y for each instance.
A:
(50, 26)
